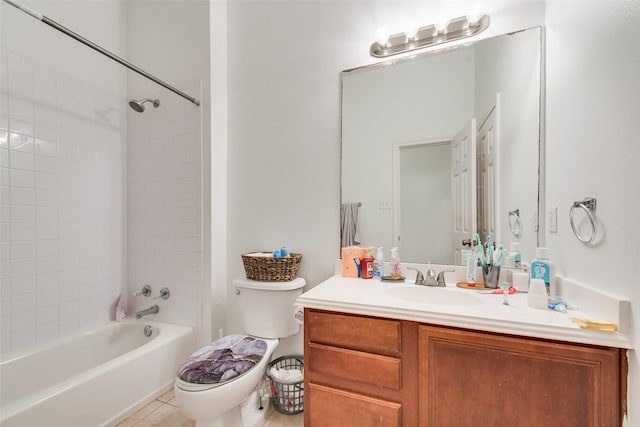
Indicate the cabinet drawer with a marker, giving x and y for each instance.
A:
(354, 332)
(372, 369)
(339, 408)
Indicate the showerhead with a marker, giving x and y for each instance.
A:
(138, 105)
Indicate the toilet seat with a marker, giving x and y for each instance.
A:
(222, 361)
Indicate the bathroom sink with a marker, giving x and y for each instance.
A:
(435, 296)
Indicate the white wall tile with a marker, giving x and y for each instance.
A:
(22, 196)
(20, 160)
(4, 157)
(23, 320)
(48, 298)
(48, 331)
(63, 162)
(23, 338)
(23, 267)
(23, 285)
(23, 213)
(24, 302)
(20, 142)
(47, 313)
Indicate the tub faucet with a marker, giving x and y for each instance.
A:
(154, 309)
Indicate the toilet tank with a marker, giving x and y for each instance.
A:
(266, 308)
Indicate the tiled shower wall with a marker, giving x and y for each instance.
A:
(63, 186)
(164, 204)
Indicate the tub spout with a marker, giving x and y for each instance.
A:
(154, 309)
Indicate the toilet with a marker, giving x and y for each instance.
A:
(216, 378)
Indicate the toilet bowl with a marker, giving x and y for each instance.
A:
(216, 378)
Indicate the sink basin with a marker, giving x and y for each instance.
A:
(435, 296)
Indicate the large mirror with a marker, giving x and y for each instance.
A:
(443, 145)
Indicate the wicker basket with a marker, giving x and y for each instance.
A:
(269, 269)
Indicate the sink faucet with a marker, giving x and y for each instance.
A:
(431, 279)
(440, 280)
(154, 309)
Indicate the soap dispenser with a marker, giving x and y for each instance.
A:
(542, 268)
(395, 264)
(378, 264)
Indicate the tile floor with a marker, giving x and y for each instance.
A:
(163, 412)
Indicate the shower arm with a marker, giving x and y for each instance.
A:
(97, 48)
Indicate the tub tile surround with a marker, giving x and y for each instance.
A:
(164, 205)
(62, 173)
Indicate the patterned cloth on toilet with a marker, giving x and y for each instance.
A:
(223, 360)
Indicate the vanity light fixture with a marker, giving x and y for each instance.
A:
(431, 35)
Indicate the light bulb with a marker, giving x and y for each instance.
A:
(441, 25)
(475, 14)
(411, 30)
(382, 36)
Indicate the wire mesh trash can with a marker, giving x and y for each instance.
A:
(287, 394)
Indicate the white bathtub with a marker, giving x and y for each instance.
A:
(96, 378)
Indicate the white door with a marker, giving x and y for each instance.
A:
(463, 187)
(487, 175)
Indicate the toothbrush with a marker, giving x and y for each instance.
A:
(480, 250)
(489, 249)
(498, 254)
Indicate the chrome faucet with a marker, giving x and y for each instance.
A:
(431, 279)
(154, 309)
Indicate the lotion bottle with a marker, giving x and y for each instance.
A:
(472, 262)
(378, 264)
(543, 269)
(395, 264)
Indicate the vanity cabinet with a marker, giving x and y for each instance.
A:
(369, 371)
(359, 371)
(467, 376)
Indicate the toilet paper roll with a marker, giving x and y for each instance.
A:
(298, 314)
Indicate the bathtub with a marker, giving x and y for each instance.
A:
(96, 378)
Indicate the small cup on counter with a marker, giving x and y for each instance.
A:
(538, 297)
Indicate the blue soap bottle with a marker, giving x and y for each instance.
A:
(542, 268)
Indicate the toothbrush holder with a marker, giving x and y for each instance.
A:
(491, 274)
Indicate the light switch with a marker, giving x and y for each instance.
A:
(384, 204)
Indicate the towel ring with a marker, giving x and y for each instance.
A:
(588, 205)
(515, 225)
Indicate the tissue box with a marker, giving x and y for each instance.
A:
(349, 266)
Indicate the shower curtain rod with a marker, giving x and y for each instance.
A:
(97, 48)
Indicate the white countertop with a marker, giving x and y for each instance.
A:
(374, 298)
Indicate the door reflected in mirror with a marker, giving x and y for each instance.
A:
(402, 123)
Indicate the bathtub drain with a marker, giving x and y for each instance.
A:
(148, 330)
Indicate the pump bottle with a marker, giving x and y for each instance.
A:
(542, 268)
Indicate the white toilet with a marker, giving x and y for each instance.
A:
(207, 389)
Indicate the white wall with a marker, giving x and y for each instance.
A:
(62, 172)
(284, 64)
(593, 105)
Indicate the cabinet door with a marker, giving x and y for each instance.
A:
(334, 407)
(471, 379)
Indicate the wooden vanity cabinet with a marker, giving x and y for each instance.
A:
(359, 371)
(368, 371)
(468, 376)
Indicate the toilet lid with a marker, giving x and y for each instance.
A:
(223, 360)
